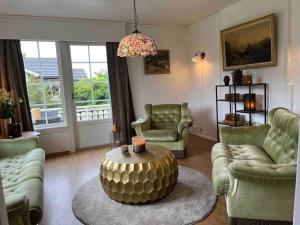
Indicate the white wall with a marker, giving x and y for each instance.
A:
(205, 35)
(165, 88)
(62, 139)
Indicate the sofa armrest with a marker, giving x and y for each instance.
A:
(264, 173)
(11, 147)
(141, 124)
(244, 135)
(17, 207)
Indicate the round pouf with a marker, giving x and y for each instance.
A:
(139, 178)
(191, 201)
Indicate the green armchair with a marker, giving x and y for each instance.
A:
(255, 168)
(22, 172)
(166, 125)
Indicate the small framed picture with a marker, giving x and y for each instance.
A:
(157, 64)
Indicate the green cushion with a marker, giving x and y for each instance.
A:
(22, 174)
(281, 143)
(160, 135)
(165, 116)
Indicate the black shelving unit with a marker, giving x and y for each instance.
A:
(233, 104)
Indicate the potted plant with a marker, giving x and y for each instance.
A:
(8, 107)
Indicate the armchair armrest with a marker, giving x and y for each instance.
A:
(185, 122)
(244, 135)
(141, 124)
(264, 173)
(10, 147)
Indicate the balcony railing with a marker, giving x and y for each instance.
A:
(43, 116)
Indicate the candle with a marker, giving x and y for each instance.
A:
(138, 143)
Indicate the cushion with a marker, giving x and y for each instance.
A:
(23, 175)
(165, 116)
(160, 135)
(222, 155)
(281, 143)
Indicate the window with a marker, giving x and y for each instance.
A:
(43, 83)
(91, 84)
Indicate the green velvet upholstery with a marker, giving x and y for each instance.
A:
(22, 172)
(165, 125)
(255, 168)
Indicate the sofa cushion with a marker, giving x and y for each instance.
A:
(160, 135)
(281, 143)
(34, 156)
(222, 155)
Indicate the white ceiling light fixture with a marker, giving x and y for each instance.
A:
(136, 43)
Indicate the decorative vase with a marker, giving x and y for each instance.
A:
(6, 127)
(226, 80)
(16, 130)
(237, 77)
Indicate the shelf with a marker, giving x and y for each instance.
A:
(238, 125)
(247, 111)
(224, 100)
(242, 85)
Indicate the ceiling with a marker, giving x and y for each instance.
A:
(158, 12)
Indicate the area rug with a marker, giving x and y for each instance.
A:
(191, 201)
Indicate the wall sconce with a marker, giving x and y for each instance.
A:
(198, 56)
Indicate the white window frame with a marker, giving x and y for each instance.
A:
(95, 121)
(64, 124)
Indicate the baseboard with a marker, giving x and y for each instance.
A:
(93, 147)
(242, 221)
(204, 136)
(57, 154)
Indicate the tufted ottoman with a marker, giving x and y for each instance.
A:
(22, 172)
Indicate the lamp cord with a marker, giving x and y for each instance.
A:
(135, 16)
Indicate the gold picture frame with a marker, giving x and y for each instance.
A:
(157, 64)
(250, 45)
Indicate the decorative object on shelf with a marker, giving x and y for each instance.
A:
(233, 119)
(247, 79)
(139, 144)
(157, 64)
(226, 80)
(249, 45)
(237, 107)
(199, 56)
(136, 43)
(237, 77)
(250, 102)
(124, 150)
(233, 97)
(8, 107)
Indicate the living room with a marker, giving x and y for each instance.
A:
(217, 132)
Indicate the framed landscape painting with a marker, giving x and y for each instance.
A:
(249, 45)
(157, 64)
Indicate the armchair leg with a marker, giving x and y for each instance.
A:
(241, 221)
(179, 154)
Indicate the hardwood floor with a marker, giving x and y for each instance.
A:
(64, 175)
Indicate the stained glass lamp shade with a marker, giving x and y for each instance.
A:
(136, 43)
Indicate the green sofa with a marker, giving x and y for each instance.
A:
(166, 125)
(22, 172)
(255, 168)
